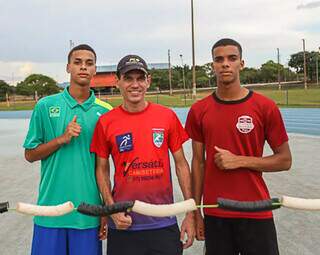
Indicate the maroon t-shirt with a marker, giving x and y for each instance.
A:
(242, 127)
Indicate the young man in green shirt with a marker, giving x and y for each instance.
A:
(59, 135)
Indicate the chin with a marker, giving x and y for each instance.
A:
(227, 81)
(83, 83)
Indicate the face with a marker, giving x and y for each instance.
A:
(82, 67)
(227, 64)
(133, 86)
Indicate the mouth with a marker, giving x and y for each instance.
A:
(83, 75)
(135, 92)
(226, 73)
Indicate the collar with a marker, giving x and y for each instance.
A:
(86, 105)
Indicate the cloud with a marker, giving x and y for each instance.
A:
(311, 5)
(26, 69)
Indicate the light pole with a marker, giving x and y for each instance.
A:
(71, 44)
(317, 65)
(278, 57)
(194, 86)
(170, 74)
(304, 65)
(183, 80)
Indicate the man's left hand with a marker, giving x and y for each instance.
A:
(188, 227)
(224, 159)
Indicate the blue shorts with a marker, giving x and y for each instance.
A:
(65, 241)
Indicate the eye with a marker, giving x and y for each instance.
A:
(233, 58)
(141, 79)
(218, 59)
(127, 79)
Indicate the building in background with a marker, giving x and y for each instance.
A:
(105, 80)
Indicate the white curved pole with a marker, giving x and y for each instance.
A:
(164, 210)
(300, 203)
(39, 210)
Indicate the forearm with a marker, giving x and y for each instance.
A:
(273, 163)
(104, 184)
(197, 174)
(184, 178)
(43, 150)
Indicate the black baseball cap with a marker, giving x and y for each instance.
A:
(131, 62)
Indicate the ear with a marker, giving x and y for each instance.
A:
(68, 68)
(241, 64)
(149, 80)
(95, 70)
(117, 81)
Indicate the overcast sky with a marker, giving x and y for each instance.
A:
(35, 34)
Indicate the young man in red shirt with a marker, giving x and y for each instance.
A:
(139, 135)
(228, 131)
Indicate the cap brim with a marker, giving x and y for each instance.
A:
(132, 67)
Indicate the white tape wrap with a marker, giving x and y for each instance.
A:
(39, 210)
(164, 210)
(300, 203)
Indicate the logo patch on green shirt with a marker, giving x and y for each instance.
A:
(54, 111)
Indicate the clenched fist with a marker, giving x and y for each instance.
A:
(73, 130)
(224, 159)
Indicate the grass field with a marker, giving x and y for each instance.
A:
(295, 97)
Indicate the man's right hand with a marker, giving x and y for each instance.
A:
(199, 226)
(121, 220)
(73, 130)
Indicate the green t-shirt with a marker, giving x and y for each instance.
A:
(68, 174)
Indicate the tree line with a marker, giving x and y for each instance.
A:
(182, 76)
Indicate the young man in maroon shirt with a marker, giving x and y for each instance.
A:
(228, 130)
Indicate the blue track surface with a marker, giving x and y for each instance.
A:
(297, 120)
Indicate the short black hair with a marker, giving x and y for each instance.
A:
(227, 42)
(82, 47)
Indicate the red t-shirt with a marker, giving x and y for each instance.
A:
(139, 144)
(242, 127)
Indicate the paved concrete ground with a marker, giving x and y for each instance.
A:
(298, 231)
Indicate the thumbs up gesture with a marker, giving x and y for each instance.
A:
(73, 130)
(225, 160)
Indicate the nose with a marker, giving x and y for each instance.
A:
(135, 83)
(83, 66)
(225, 63)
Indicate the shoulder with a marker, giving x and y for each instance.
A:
(161, 111)
(159, 107)
(202, 104)
(111, 114)
(48, 101)
(262, 100)
(106, 106)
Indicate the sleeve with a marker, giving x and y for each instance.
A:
(99, 144)
(275, 130)
(177, 135)
(35, 135)
(193, 126)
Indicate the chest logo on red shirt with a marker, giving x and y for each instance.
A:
(245, 124)
(124, 142)
(157, 136)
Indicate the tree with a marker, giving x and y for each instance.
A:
(296, 62)
(249, 75)
(269, 71)
(43, 84)
(160, 79)
(4, 89)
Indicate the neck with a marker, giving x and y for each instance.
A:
(79, 93)
(134, 107)
(230, 92)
